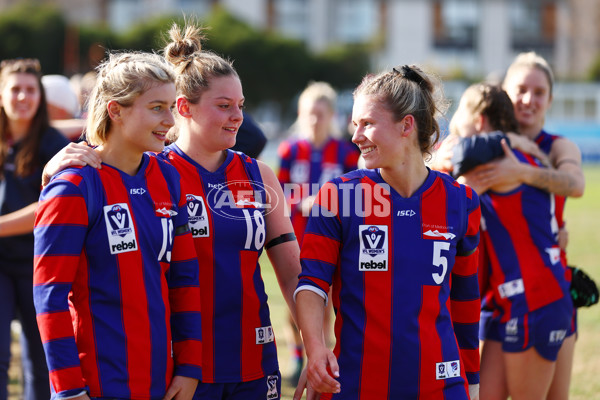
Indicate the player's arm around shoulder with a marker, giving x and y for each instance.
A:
(565, 157)
(280, 243)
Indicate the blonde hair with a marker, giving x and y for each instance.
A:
(319, 91)
(409, 90)
(532, 60)
(122, 77)
(195, 68)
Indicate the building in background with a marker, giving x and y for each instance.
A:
(461, 38)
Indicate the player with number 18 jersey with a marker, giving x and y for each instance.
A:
(226, 210)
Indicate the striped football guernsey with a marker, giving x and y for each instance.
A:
(525, 267)
(302, 163)
(405, 291)
(116, 284)
(227, 209)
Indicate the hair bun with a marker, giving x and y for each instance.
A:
(185, 42)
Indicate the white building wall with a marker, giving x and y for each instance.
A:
(493, 44)
(409, 34)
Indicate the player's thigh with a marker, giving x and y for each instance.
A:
(492, 384)
(561, 381)
(528, 374)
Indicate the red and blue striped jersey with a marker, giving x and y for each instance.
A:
(545, 141)
(116, 286)
(309, 168)
(525, 267)
(227, 209)
(405, 290)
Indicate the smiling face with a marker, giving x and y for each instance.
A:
(146, 122)
(376, 133)
(529, 91)
(218, 114)
(20, 97)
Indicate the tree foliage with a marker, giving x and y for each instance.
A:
(272, 67)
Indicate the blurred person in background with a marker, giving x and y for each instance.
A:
(529, 83)
(527, 308)
(251, 139)
(311, 158)
(27, 142)
(63, 106)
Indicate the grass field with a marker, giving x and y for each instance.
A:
(582, 215)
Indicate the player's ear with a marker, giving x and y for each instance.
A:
(183, 107)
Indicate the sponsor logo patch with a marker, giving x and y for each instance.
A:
(264, 335)
(373, 248)
(511, 288)
(557, 337)
(448, 369)
(198, 219)
(119, 228)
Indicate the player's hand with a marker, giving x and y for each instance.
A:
(73, 154)
(181, 388)
(311, 394)
(320, 362)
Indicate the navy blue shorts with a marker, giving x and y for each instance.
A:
(545, 329)
(268, 388)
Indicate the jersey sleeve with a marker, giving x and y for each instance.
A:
(476, 150)
(184, 298)
(60, 229)
(320, 251)
(464, 293)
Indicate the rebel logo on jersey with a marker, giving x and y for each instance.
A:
(373, 248)
(120, 231)
(198, 219)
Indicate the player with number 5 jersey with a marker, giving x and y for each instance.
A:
(398, 243)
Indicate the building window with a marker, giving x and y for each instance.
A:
(290, 18)
(356, 20)
(455, 23)
(533, 25)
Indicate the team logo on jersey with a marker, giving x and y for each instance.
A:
(119, 227)
(264, 335)
(373, 248)
(300, 172)
(198, 218)
(435, 234)
(139, 191)
(448, 369)
(272, 387)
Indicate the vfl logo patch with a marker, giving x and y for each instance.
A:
(264, 335)
(448, 369)
(512, 327)
(373, 248)
(119, 229)
(272, 387)
(198, 218)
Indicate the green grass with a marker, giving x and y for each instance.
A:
(582, 216)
